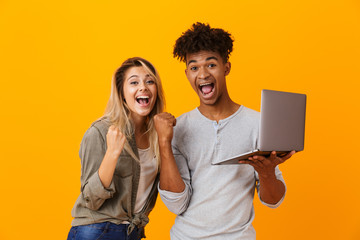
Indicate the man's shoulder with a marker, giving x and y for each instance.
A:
(186, 117)
(185, 123)
(250, 113)
(246, 116)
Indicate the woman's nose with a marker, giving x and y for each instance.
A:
(142, 86)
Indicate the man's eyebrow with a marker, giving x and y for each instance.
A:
(191, 61)
(209, 58)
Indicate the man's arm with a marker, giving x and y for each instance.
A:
(174, 187)
(271, 189)
(170, 178)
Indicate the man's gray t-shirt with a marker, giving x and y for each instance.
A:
(217, 202)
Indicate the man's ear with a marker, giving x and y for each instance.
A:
(227, 68)
(185, 71)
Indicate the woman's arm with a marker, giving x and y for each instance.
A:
(96, 184)
(115, 143)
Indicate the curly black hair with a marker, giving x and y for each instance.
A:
(201, 37)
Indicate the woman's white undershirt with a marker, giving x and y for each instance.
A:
(148, 171)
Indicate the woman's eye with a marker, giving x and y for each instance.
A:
(150, 82)
(133, 82)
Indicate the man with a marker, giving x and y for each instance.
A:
(213, 201)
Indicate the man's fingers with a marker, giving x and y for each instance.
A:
(273, 155)
(170, 118)
(258, 160)
(246, 161)
(258, 157)
(167, 117)
(287, 156)
(255, 161)
(173, 121)
(284, 158)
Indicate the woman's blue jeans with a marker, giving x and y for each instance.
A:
(104, 231)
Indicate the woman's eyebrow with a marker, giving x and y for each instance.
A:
(132, 76)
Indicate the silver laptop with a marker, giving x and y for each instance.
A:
(282, 125)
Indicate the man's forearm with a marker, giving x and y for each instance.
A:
(170, 178)
(271, 189)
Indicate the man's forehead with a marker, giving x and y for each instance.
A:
(202, 56)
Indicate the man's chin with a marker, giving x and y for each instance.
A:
(209, 102)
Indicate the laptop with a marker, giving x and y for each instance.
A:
(282, 125)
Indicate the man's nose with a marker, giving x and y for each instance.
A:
(203, 73)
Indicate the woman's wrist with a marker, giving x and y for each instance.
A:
(112, 155)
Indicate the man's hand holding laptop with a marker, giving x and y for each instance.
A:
(265, 165)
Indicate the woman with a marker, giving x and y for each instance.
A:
(120, 158)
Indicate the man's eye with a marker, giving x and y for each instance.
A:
(193, 68)
(211, 65)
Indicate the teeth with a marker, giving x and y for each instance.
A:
(204, 84)
(143, 97)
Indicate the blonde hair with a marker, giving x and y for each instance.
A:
(118, 113)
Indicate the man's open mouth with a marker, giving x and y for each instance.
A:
(206, 88)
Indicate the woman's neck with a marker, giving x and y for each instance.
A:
(141, 135)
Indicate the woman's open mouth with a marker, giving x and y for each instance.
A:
(143, 100)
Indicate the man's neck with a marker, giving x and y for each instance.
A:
(222, 109)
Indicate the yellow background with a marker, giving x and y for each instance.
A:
(56, 63)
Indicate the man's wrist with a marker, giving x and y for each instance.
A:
(164, 142)
(267, 176)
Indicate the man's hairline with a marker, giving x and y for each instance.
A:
(187, 64)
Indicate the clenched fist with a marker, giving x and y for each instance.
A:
(115, 140)
(164, 123)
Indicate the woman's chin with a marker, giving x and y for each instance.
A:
(141, 113)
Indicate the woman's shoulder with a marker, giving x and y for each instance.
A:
(101, 124)
(99, 128)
